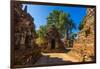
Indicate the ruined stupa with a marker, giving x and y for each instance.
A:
(54, 40)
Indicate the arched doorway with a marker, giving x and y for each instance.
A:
(53, 44)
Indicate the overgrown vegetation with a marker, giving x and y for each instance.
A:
(61, 20)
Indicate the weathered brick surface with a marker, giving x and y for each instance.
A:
(54, 43)
(85, 44)
(26, 52)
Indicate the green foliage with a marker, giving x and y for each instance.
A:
(41, 35)
(41, 41)
(61, 20)
(42, 31)
(53, 17)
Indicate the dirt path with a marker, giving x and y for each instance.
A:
(55, 58)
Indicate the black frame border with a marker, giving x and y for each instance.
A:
(50, 4)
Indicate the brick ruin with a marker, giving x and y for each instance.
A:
(84, 44)
(54, 43)
(25, 49)
(24, 28)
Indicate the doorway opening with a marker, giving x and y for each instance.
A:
(53, 44)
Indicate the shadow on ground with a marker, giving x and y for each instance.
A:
(46, 60)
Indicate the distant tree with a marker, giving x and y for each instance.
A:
(62, 21)
(42, 31)
(70, 26)
(41, 40)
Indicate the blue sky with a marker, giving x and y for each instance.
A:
(40, 12)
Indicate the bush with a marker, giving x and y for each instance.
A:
(41, 41)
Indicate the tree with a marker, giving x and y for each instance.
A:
(71, 26)
(53, 17)
(61, 20)
(42, 31)
(41, 40)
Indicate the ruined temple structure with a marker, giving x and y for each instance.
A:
(25, 50)
(85, 43)
(89, 27)
(23, 27)
(53, 40)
